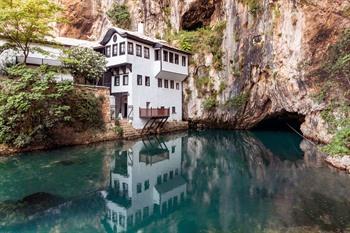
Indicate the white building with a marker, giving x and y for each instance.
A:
(145, 180)
(145, 76)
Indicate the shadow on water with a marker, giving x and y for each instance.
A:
(203, 181)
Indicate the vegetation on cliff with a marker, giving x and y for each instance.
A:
(33, 105)
(119, 15)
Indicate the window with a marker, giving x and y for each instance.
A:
(177, 86)
(139, 187)
(173, 147)
(122, 48)
(130, 220)
(138, 216)
(117, 80)
(145, 212)
(176, 171)
(173, 110)
(130, 48)
(182, 196)
(125, 80)
(175, 201)
(177, 59)
(165, 55)
(166, 83)
(165, 177)
(146, 52)
(114, 216)
(121, 220)
(115, 50)
(146, 185)
(171, 57)
(138, 50)
(171, 175)
(115, 38)
(183, 61)
(147, 81)
(108, 51)
(160, 83)
(159, 179)
(157, 55)
(139, 80)
(172, 84)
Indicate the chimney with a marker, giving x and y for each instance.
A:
(141, 28)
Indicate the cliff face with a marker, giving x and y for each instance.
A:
(271, 49)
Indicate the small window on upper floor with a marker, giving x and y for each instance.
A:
(172, 84)
(138, 50)
(157, 55)
(184, 61)
(166, 83)
(108, 51)
(147, 81)
(165, 55)
(139, 187)
(171, 57)
(173, 111)
(125, 80)
(165, 177)
(146, 52)
(117, 80)
(177, 59)
(177, 86)
(160, 82)
(130, 48)
(139, 80)
(115, 50)
(122, 48)
(146, 185)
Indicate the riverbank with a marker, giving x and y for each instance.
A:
(341, 163)
(68, 137)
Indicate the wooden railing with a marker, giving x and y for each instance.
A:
(154, 112)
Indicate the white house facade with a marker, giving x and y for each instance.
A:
(145, 76)
(145, 180)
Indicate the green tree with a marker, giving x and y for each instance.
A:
(119, 15)
(23, 22)
(84, 64)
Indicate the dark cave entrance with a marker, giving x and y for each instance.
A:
(282, 121)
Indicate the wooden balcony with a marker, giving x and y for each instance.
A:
(154, 112)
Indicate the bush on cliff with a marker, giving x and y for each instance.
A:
(33, 104)
(119, 15)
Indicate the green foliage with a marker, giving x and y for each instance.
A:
(222, 87)
(202, 40)
(23, 22)
(33, 104)
(340, 126)
(340, 144)
(337, 65)
(254, 6)
(237, 101)
(84, 64)
(210, 103)
(118, 129)
(119, 15)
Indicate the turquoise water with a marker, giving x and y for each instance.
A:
(204, 181)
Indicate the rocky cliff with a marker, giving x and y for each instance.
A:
(267, 64)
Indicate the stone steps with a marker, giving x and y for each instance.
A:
(128, 131)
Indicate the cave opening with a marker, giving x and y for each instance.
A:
(281, 121)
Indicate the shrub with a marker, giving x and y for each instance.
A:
(237, 101)
(85, 64)
(340, 144)
(118, 129)
(119, 15)
(33, 104)
(210, 103)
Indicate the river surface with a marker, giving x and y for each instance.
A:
(210, 181)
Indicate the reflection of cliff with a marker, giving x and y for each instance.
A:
(146, 181)
(251, 188)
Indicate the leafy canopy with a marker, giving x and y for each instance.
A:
(119, 15)
(84, 64)
(23, 22)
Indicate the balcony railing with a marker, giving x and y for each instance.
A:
(154, 112)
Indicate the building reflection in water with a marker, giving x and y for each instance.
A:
(145, 181)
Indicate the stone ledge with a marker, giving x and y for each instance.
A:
(342, 163)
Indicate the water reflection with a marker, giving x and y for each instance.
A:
(145, 182)
(209, 181)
